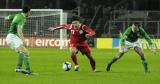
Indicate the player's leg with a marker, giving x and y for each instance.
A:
(86, 51)
(91, 59)
(141, 54)
(20, 61)
(13, 42)
(117, 57)
(74, 51)
(25, 53)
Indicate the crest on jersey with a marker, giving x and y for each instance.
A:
(80, 32)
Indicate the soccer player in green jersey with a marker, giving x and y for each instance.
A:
(15, 39)
(129, 40)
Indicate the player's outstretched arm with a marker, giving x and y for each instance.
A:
(65, 26)
(51, 28)
(148, 39)
(9, 17)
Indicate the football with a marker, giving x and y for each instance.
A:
(66, 66)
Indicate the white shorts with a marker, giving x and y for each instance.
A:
(128, 45)
(13, 41)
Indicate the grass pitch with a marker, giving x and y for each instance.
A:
(48, 63)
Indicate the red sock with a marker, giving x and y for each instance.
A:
(93, 64)
(74, 59)
(92, 61)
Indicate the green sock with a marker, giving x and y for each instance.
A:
(113, 60)
(20, 60)
(26, 61)
(145, 64)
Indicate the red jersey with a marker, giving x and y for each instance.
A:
(77, 35)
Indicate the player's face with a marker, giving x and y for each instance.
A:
(28, 14)
(135, 28)
(76, 24)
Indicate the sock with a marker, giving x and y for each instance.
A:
(92, 61)
(26, 61)
(93, 64)
(113, 60)
(145, 64)
(20, 60)
(74, 59)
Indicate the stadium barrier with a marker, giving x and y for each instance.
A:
(107, 43)
(35, 42)
(113, 43)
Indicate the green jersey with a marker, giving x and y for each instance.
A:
(17, 21)
(131, 36)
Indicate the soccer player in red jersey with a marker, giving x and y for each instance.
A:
(78, 34)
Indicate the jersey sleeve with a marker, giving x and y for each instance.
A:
(88, 30)
(124, 36)
(10, 17)
(146, 36)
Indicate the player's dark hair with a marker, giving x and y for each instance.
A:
(26, 9)
(137, 24)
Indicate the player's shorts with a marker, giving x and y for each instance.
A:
(13, 41)
(129, 45)
(83, 47)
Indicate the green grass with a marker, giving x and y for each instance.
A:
(48, 63)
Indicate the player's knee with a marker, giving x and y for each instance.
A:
(142, 56)
(141, 53)
(89, 56)
(73, 53)
(123, 51)
(119, 55)
(86, 53)
(26, 52)
(22, 49)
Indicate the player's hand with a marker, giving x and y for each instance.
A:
(51, 28)
(6, 18)
(153, 49)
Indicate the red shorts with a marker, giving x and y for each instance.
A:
(83, 47)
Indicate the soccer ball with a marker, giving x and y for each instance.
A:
(66, 66)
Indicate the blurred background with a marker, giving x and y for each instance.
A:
(106, 17)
